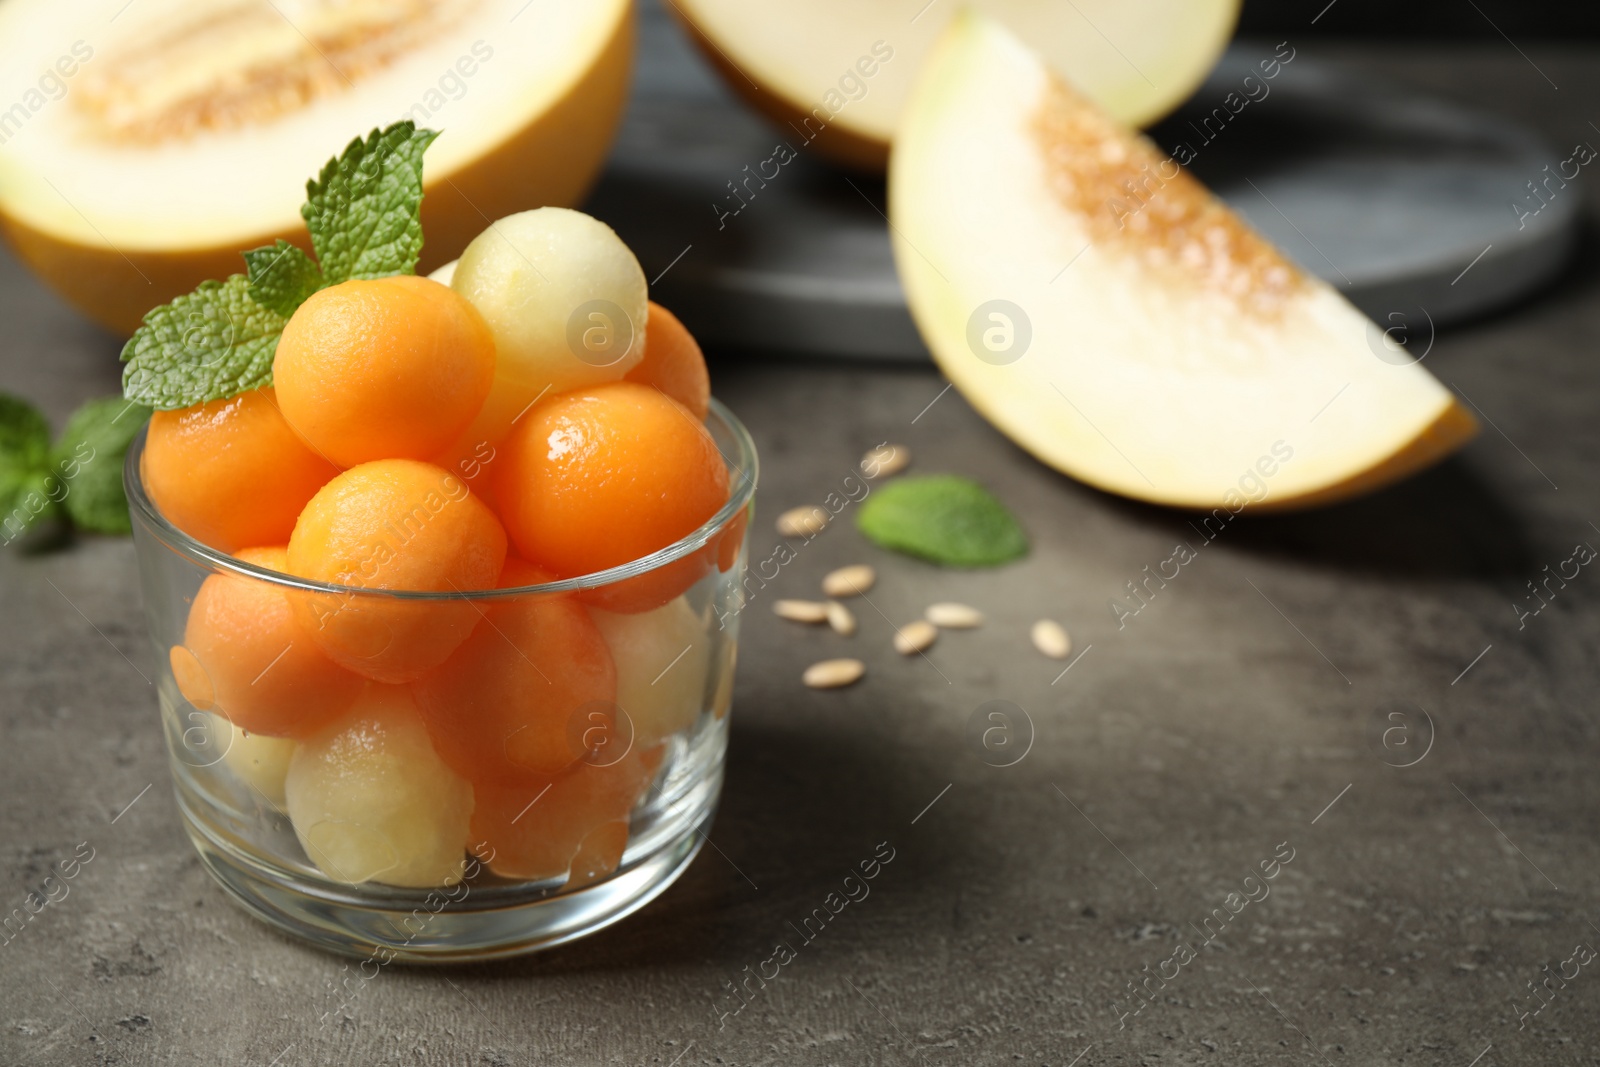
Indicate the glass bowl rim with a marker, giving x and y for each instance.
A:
(196, 551)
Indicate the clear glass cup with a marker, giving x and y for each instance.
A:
(330, 879)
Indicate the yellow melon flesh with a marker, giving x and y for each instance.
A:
(1172, 354)
(171, 134)
(837, 73)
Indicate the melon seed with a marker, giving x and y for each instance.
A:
(833, 673)
(849, 581)
(885, 460)
(1051, 639)
(913, 637)
(949, 616)
(801, 610)
(808, 520)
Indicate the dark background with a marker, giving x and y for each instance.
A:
(1399, 20)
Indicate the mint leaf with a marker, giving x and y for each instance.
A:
(281, 276)
(24, 433)
(24, 466)
(363, 210)
(943, 518)
(88, 461)
(212, 343)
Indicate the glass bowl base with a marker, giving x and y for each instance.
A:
(459, 924)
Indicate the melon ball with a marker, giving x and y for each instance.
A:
(673, 363)
(603, 476)
(244, 657)
(536, 830)
(661, 657)
(371, 802)
(508, 705)
(231, 473)
(393, 524)
(259, 761)
(383, 368)
(564, 297)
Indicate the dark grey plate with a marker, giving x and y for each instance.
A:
(1404, 203)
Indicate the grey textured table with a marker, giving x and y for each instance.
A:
(1241, 709)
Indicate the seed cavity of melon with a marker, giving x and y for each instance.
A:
(178, 72)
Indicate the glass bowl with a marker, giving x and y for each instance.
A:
(548, 856)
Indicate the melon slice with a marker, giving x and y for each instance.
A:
(151, 142)
(839, 72)
(1115, 319)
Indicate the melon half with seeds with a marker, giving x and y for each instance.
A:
(839, 72)
(143, 145)
(1104, 310)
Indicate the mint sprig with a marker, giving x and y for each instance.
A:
(945, 519)
(81, 475)
(364, 210)
(364, 215)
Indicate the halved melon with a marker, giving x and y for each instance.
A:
(839, 71)
(1104, 310)
(152, 141)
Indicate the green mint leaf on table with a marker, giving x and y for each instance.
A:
(24, 434)
(212, 343)
(943, 518)
(363, 211)
(24, 465)
(88, 460)
(281, 277)
(81, 475)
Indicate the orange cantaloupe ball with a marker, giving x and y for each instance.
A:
(384, 368)
(599, 477)
(663, 583)
(395, 524)
(244, 657)
(536, 830)
(673, 362)
(522, 697)
(231, 473)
